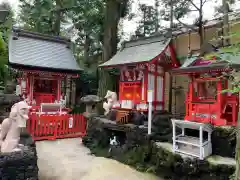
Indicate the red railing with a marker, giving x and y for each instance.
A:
(51, 127)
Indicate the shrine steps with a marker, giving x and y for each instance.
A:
(122, 117)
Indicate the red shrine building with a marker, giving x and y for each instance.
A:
(205, 100)
(143, 64)
(45, 66)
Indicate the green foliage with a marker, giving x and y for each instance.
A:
(5, 28)
(78, 109)
(229, 54)
(43, 15)
(181, 8)
(232, 177)
(147, 26)
(89, 82)
(88, 22)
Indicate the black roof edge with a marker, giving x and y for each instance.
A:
(41, 36)
(28, 67)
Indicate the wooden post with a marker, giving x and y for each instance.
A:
(183, 131)
(174, 136)
(209, 137)
(68, 84)
(219, 98)
(191, 91)
(201, 142)
(31, 85)
(150, 100)
(73, 92)
(58, 89)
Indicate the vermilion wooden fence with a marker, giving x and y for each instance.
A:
(51, 127)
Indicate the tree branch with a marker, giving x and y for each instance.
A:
(204, 2)
(191, 1)
(64, 8)
(186, 25)
(192, 10)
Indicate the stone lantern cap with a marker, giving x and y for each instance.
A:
(91, 99)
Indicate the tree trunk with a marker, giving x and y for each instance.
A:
(57, 24)
(170, 75)
(112, 17)
(144, 22)
(157, 15)
(86, 50)
(200, 25)
(237, 156)
(225, 22)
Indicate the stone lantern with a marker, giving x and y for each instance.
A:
(90, 101)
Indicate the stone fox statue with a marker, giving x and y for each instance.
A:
(11, 127)
(111, 100)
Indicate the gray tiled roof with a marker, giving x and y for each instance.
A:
(137, 51)
(41, 51)
(226, 61)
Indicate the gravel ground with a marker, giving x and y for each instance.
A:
(68, 159)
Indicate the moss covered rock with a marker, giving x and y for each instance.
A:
(224, 141)
(162, 127)
(140, 151)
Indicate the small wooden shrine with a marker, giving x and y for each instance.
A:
(205, 101)
(142, 65)
(206, 105)
(45, 66)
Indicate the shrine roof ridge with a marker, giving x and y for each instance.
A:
(145, 40)
(35, 50)
(37, 35)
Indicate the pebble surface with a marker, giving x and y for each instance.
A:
(68, 159)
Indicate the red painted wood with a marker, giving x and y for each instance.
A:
(45, 73)
(52, 127)
(44, 98)
(155, 87)
(163, 91)
(220, 111)
(175, 62)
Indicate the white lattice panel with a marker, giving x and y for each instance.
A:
(160, 88)
(151, 83)
(143, 89)
(127, 104)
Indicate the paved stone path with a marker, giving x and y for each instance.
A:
(68, 159)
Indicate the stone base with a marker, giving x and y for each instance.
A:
(223, 137)
(20, 165)
(141, 152)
